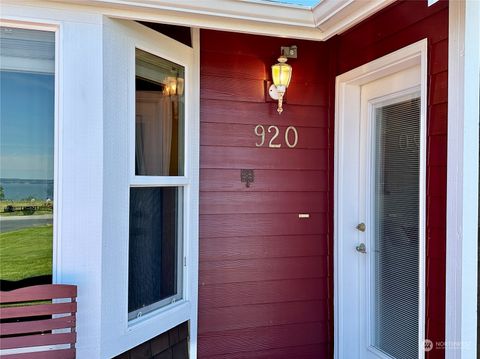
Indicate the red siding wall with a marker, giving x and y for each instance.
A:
(399, 25)
(266, 281)
(263, 287)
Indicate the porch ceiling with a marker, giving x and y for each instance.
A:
(302, 19)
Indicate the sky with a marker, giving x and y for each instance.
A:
(26, 125)
(309, 3)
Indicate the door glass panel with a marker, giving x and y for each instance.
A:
(27, 113)
(159, 116)
(395, 307)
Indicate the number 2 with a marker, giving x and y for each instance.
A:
(277, 131)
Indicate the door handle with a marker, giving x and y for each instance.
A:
(361, 248)
(361, 227)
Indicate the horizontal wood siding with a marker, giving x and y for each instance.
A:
(399, 25)
(263, 281)
(266, 277)
(262, 158)
(267, 341)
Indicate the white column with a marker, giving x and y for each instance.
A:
(462, 179)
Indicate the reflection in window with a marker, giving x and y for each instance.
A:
(27, 90)
(159, 116)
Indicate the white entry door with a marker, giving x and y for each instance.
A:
(380, 219)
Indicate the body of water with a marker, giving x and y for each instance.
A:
(18, 189)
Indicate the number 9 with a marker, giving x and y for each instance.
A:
(260, 131)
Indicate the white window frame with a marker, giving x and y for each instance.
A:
(150, 181)
(53, 27)
(78, 194)
(122, 38)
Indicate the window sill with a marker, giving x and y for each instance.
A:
(163, 318)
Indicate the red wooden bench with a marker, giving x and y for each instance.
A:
(25, 323)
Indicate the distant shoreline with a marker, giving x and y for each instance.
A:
(18, 189)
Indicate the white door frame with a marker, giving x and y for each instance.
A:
(347, 110)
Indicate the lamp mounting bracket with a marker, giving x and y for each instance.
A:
(289, 51)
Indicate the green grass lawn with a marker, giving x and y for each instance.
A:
(26, 252)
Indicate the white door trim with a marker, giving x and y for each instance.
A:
(347, 108)
(462, 179)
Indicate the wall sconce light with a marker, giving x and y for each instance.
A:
(281, 75)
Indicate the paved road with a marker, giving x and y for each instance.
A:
(13, 223)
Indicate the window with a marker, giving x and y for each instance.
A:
(150, 185)
(156, 203)
(27, 126)
(159, 116)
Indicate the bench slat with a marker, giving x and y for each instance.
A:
(49, 354)
(40, 309)
(39, 292)
(33, 326)
(38, 340)
(29, 308)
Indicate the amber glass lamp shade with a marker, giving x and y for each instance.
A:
(281, 73)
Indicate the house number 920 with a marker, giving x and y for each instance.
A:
(291, 136)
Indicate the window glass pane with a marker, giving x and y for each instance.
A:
(159, 120)
(155, 246)
(396, 241)
(27, 100)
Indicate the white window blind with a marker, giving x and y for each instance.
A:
(396, 242)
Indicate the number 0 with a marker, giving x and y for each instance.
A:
(295, 137)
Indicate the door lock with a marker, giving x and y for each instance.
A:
(361, 227)
(361, 248)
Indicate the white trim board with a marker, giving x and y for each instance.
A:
(326, 19)
(78, 174)
(462, 179)
(348, 90)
